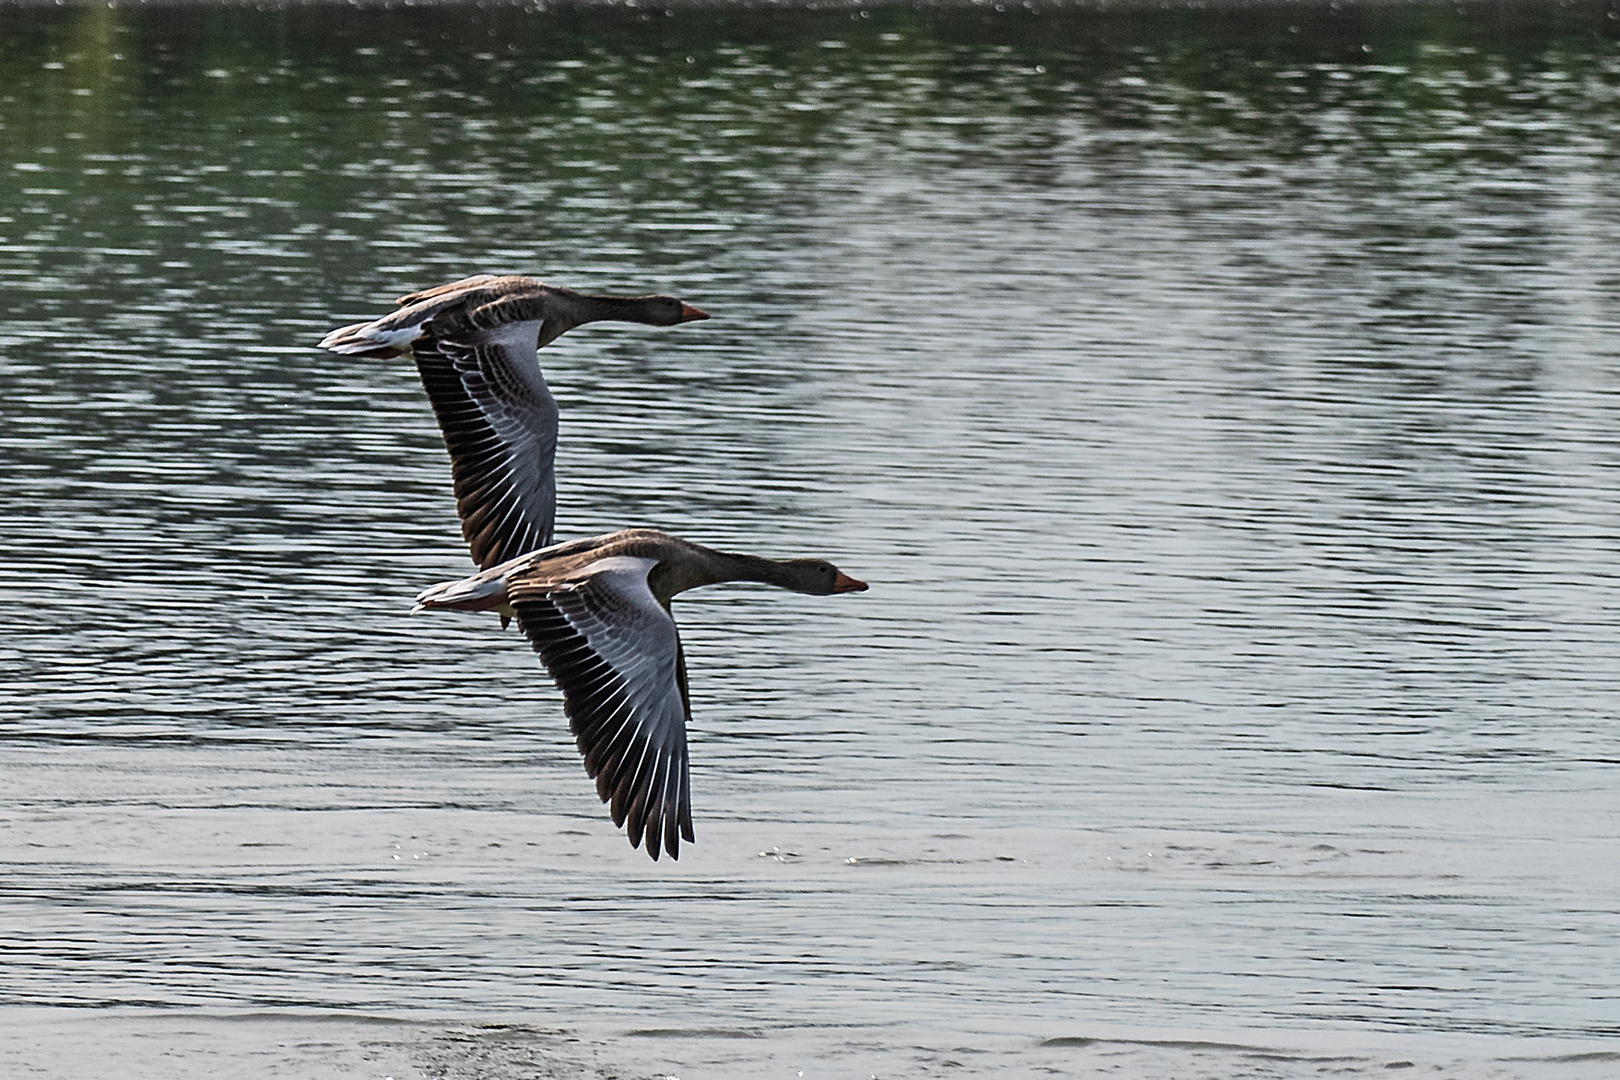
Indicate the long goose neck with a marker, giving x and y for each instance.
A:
(698, 566)
(753, 568)
(608, 309)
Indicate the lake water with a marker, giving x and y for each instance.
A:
(1222, 406)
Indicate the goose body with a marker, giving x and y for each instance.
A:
(597, 613)
(476, 343)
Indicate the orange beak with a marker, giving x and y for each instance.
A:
(845, 583)
(691, 314)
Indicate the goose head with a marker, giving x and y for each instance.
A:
(818, 577)
(667, 311)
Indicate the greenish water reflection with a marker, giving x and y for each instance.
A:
(578, 120)
(1220, 403)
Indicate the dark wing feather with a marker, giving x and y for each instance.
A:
(500, 426)
(615, 653)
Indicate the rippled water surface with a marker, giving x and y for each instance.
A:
(1222, 404)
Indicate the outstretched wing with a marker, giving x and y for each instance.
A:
(616, 655)
(500, 426)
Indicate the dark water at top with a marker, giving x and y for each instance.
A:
(1222, 404)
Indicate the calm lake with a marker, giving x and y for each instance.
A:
(1223, 405)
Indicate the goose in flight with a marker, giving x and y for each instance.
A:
(597, 611)
(475, 343)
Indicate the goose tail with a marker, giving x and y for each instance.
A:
(481, 592)
(368, 339)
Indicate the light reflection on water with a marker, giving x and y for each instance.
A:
(1223, 415)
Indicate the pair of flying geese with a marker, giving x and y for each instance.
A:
(597, 610)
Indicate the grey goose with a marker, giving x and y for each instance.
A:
(475, 343)
(598, 613)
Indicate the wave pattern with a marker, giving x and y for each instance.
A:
(1221, 406)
